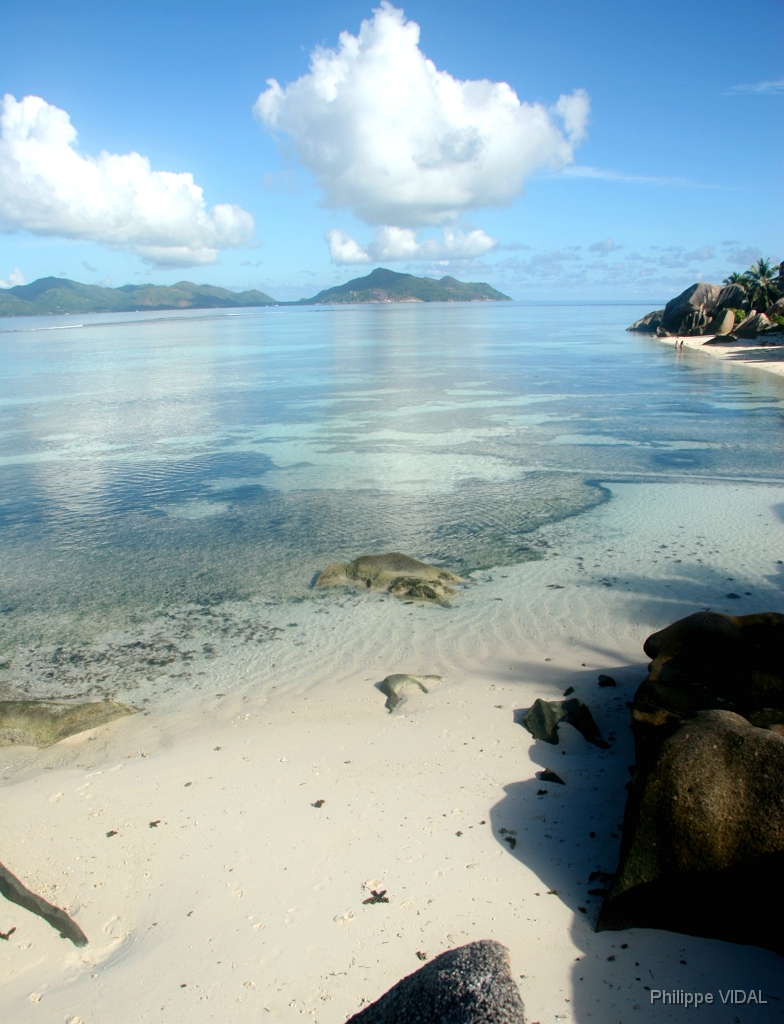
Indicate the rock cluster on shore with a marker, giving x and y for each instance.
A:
(716, 310)
(703, 835)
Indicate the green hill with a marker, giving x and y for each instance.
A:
(59, 295)
(388, 286)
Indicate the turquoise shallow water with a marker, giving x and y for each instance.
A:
(160, 472)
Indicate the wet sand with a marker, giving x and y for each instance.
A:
(768, 357)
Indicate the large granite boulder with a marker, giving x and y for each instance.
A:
(40, 723)
(396, 573)
(704, 821)
(694, 311)
(649, 323)
(703, 847)
(721, 323)
(685, 309)
(709, 661)
(472, 984)
(731, 296)
(752, 325)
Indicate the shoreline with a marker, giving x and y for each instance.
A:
(769, 358)
(188, 846)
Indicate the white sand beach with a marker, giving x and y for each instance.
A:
(768, 356)
(189, 847)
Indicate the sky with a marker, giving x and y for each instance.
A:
(602, 151)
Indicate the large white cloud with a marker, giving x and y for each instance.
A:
(391, 244)
(400, 143)
(48, 188)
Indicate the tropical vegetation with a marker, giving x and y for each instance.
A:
(762, 283)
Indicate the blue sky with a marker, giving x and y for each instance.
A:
(616, 150)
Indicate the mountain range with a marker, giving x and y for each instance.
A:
(50, 295)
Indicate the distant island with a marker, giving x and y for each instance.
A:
(50, 295)
(59, 295)
(388, 286)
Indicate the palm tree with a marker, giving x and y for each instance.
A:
(736, 278)
(762, 285)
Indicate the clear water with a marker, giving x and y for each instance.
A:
(171, 484)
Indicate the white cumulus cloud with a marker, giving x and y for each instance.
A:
(48, 188)
(392, 244)
(345, 249)
(14, 278)
(405, 145)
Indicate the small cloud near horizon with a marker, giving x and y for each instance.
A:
(608, 245)
(392, 245)
(88, 266)
(15, 278)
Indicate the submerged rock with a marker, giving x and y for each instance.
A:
(397, 686)
(544, 716)
(40, 723)
(396, 573)
(472, 984)
(703, 846)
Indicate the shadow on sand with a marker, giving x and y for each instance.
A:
(569, 837)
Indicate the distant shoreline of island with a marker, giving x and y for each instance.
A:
(50, 296)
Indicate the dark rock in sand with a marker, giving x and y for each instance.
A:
(703, 845)
(16, 892)
(40, 723)
(397, 686)
(472, 984)
(396, 573)
(607, 681)
(543, 717)
(548, 775)
(703, 831)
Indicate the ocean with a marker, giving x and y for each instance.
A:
(171, 484)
